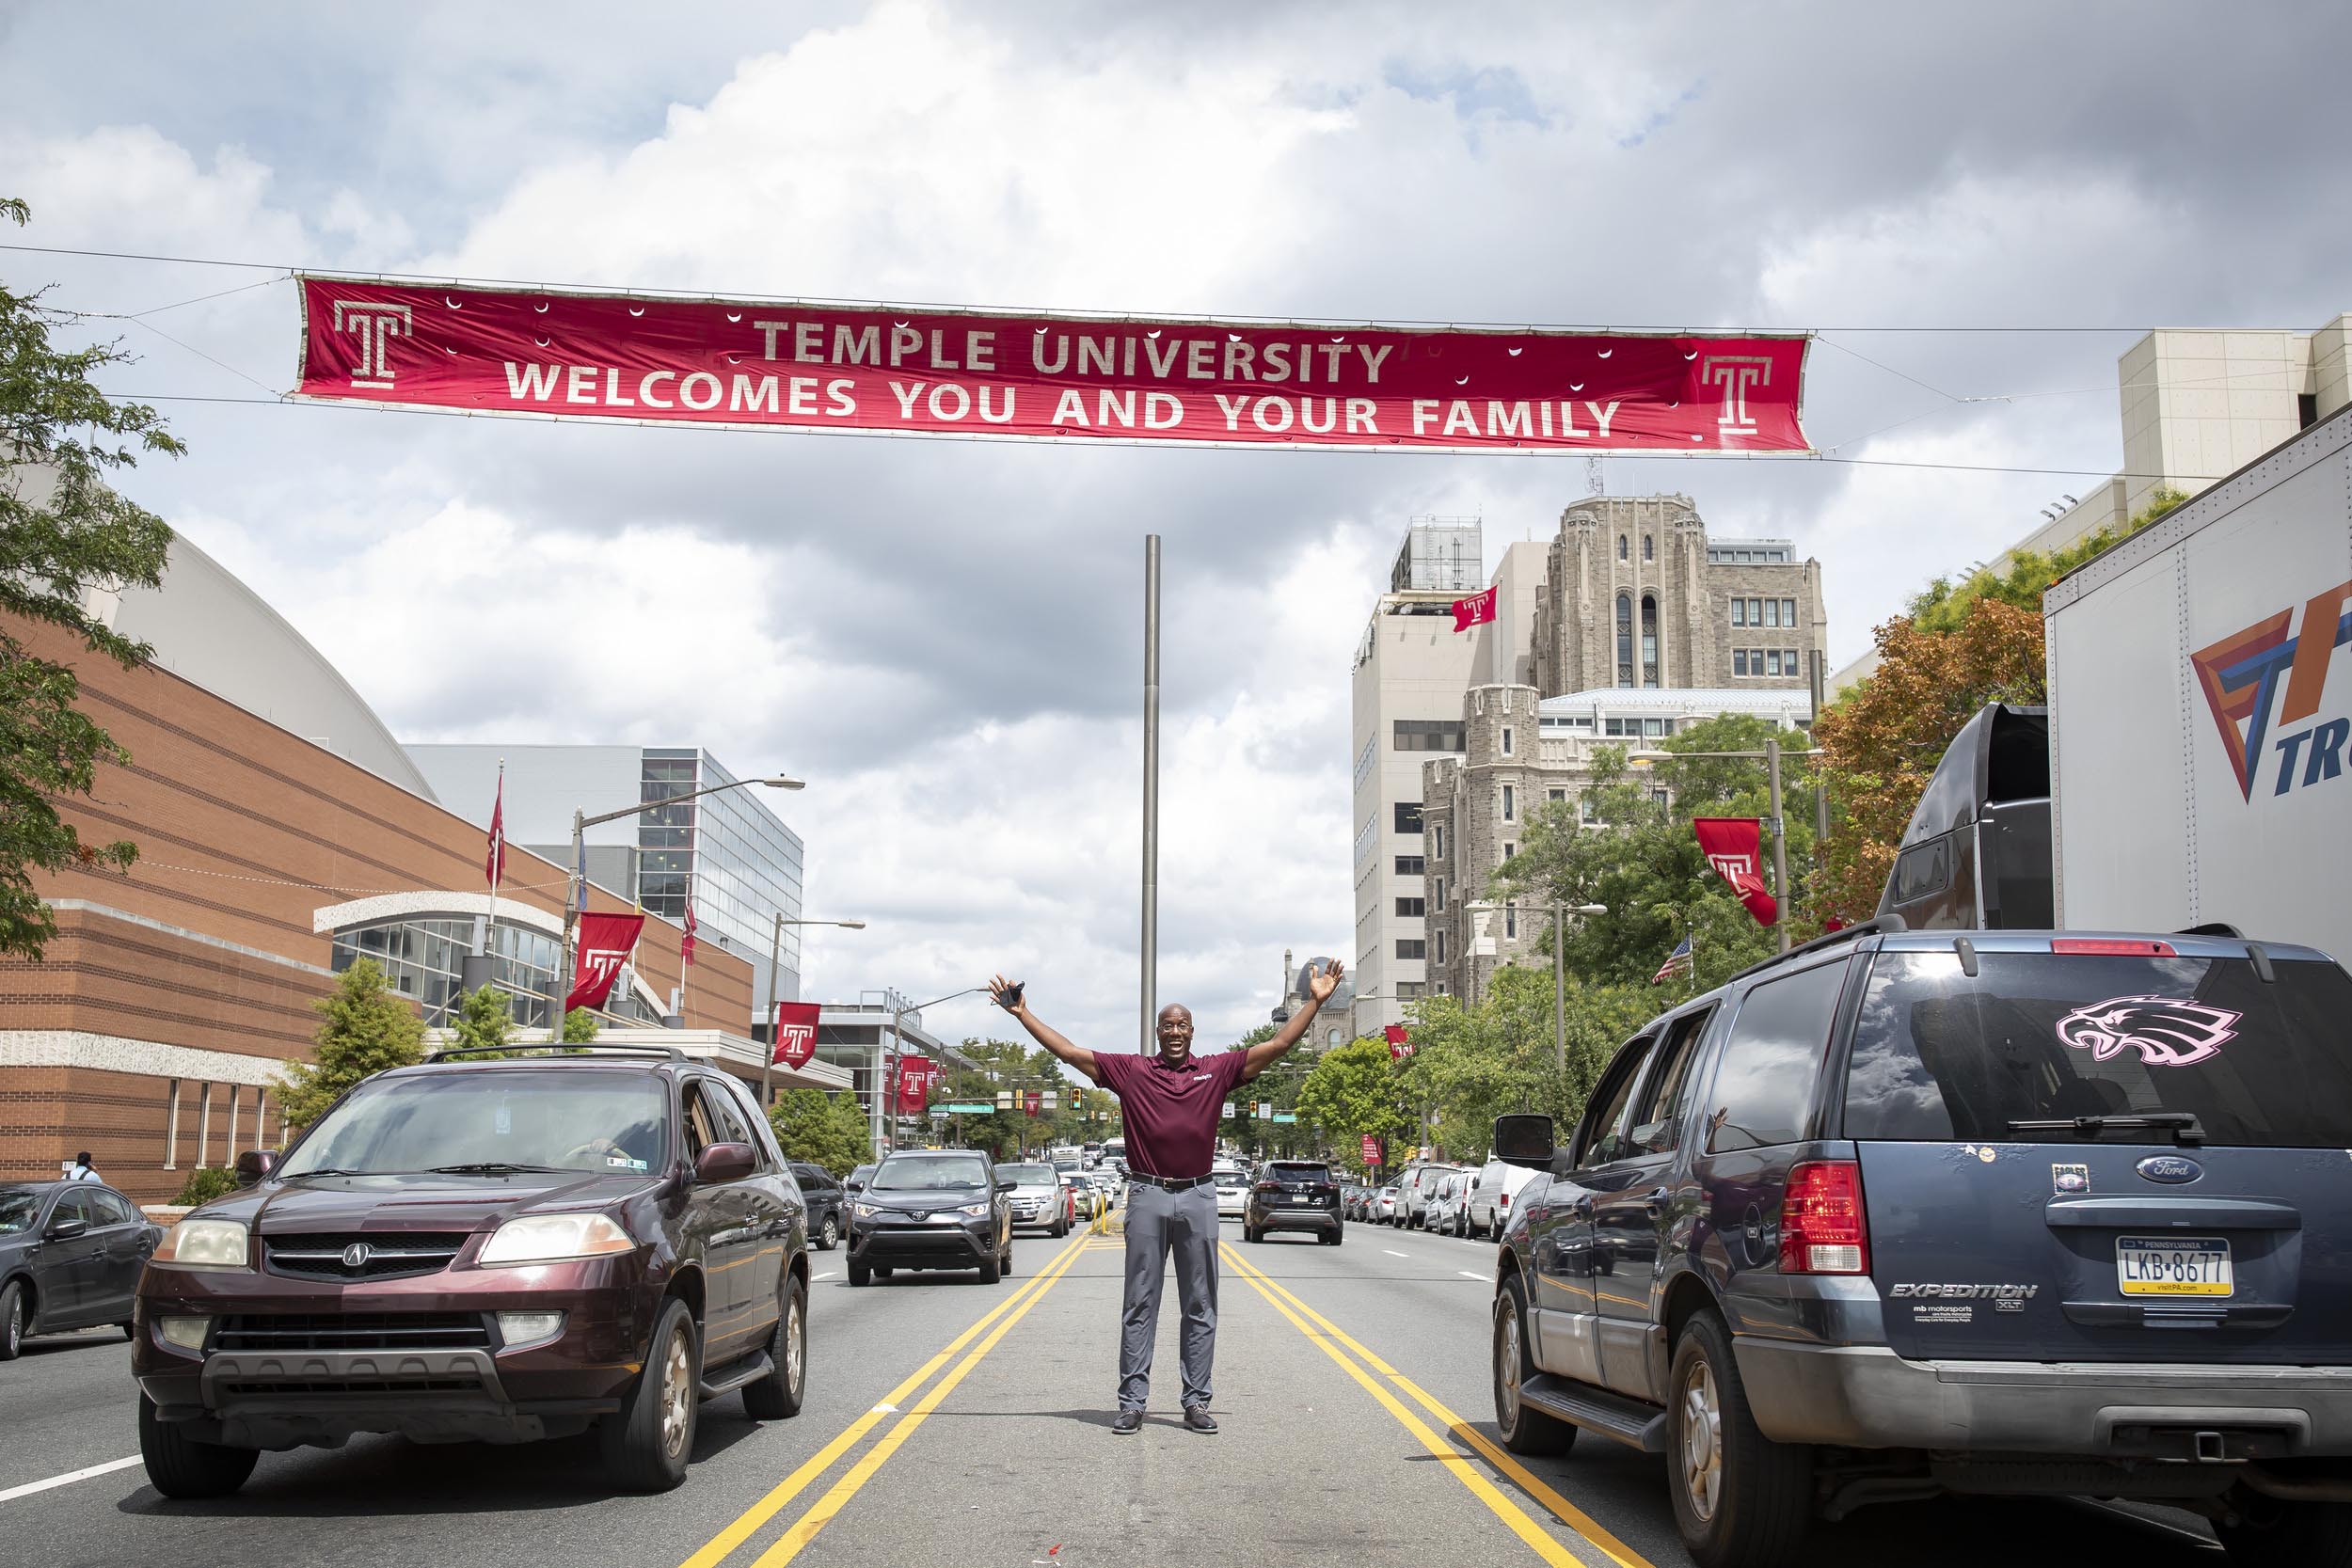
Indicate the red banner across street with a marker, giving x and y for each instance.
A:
(606, 940)
(792, 366)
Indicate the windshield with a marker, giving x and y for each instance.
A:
(1029, 1175)
(2043, 1037)
(578, 1119)
(17, 1205)
(1295, 1174)
(929, 1173)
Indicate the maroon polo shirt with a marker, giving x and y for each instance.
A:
(1171, 1112)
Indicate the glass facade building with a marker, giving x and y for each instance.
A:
(420, 957)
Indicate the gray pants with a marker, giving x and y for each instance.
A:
(1160, 1222)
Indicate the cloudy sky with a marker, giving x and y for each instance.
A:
(943, 638)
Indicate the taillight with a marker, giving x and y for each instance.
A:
(2135, 947)
(1502, 1200)
(1269, 1186)
(1822, 1227)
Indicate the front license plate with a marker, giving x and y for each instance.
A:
(2173, 1266)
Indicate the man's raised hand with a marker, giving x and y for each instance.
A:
(1005, 993)
(1321, 986)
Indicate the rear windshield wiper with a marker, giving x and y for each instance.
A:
(488, 1167)
(2183, 1124)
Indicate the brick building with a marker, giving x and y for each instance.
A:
(164, 1008)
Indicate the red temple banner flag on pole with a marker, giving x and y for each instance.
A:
(796, 1034)
(1734, 846)
(1476, 610)
(914, 1083)
(606, 940)
(1399, 1046)
(494, 867)
(686, 943)
(800, 365)
(1372, 1149)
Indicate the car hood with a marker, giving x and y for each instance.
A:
(924, 1202)
(1032, 1191)
(416, 1202)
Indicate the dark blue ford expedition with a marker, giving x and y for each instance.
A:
(1903, 1213)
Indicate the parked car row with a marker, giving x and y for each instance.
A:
(1446, 1200)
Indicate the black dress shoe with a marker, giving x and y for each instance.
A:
(1127, 1422)
(1198, 1418)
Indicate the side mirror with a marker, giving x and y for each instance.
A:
(854, 1186)
(1005, 1183)
(64, 1230)
(1523, 1140)
(254, 1166)
(725, 1162)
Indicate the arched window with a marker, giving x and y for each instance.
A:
(1624, 639)
(1649, 640)
(1649, 547)
(1621, 547)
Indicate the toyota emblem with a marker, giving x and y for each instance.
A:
(355, 1256)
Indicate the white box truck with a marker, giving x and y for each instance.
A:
(2201, 710)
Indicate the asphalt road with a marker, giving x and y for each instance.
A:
(956, 1423)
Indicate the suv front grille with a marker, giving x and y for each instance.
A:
(352, 1331)
(382, 1254)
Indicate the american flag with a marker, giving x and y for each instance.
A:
(1678, 962)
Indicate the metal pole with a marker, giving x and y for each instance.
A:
(575, 889)
(889, 1094)
(775, 956)
(1151, 785)
(1780, 846)
(1560, 987)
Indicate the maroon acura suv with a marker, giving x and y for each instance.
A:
(483, 1250)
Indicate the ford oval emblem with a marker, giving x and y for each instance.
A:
(2170, 1168)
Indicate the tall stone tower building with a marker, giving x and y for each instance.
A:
(1634, 594)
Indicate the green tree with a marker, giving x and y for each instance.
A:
(485, 1020)
(366, 1027)
(1474, 1063)
(580, 1027)
(1944, 605)
(826, 1131)
(1351, 1091)
(64, 533)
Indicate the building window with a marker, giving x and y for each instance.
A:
(1650, 551)
(1410, 990)
(1772, 612)
(1584, 812)
(1787, 612)
(1511, 922)
(1771, 661)
(419, 958)
(1506, 741)
(1410, 909)
(1441, 959)
(1649, 640)
(1438, 894)
(1738, 661)
(1755, 612)
(1788, 661)
(1407, 816)
(171, 1126)
(1411, 865)
(1556, 796)
(1410, 947)
(1622, 553)
(1625, 639)
(1510, 850)
(1427, 734)
(1738, 613)
(1510, 804)
(1440, 841)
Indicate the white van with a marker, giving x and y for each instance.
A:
(1491, 1201)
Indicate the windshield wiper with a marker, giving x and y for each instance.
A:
(2185, 1126)
(489, 1167)
(326, 1170)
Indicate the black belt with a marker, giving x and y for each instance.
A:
(1169, 1184)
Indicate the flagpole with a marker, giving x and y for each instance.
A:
(498, 870)
(1151, 787)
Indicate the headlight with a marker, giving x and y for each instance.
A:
(978, 1211)
(549, 1238)
(187, 1333)
(521, 1329)
(865, 1210)
(203, 1244)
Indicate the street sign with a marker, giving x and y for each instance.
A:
(980, 1110)
(1266, 1109)
(1284, 1116)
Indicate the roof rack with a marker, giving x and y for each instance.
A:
(1885, 922)
(665, 1052)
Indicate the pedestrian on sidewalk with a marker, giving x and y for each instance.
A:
(1172, 1100)
(82, 1170)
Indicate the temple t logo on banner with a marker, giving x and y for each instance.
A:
(374, 323)
(1735, 374)
(796, 1034)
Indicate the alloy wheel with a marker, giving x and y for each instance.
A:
(1702, 1439)
(677, 1394)
(1507, 1368)
(14, 1328)
(831, 1234)
(793, 1355)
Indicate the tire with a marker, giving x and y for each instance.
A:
(1008, 1259)
(647, 1443)
(179, 1466)
(1339, 1235)
(2278, 1534)
(12, 1323)
(129, 1331)
(829, 1234)
(1761, 1491)
(777, 1397)
(1059, 1231)
(883, 1271)
(1522, 1430)
(860, 1273)
(992, 1268)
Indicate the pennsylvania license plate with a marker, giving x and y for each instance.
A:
(2173, 1266)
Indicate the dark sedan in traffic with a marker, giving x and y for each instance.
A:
(70, 1258)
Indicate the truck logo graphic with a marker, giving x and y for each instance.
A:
(2166, 1031)
(2271, 665)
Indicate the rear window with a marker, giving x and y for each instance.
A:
(1292, 1175)
(2038, 1037)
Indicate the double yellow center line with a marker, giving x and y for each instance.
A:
(1354, 1359)
(803, 1528)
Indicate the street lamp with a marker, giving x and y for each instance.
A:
(1559, 973)
(1769, 756)
(576, 888)
(775, 959)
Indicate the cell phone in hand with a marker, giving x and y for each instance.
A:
(1010, 997)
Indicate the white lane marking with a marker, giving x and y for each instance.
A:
(1467, 1274)
(1393, 1252)
(827, 1275)
(67, 1480)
